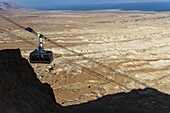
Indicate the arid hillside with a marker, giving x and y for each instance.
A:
(111, 51)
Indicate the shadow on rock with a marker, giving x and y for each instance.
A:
(147, 100)
(20, 90)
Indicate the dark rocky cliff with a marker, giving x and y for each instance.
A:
(20, 90)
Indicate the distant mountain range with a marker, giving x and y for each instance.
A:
(8, 5)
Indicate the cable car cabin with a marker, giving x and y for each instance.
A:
(41, 57)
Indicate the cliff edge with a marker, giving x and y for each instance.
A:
(20, 90)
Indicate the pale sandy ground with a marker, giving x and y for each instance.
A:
(129, 48)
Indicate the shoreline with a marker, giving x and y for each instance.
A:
(103, 11)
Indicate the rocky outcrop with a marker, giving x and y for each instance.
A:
(147, 100)
(20, 90)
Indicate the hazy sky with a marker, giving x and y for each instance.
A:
(33, 3)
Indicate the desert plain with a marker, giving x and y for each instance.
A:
(100, 53)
